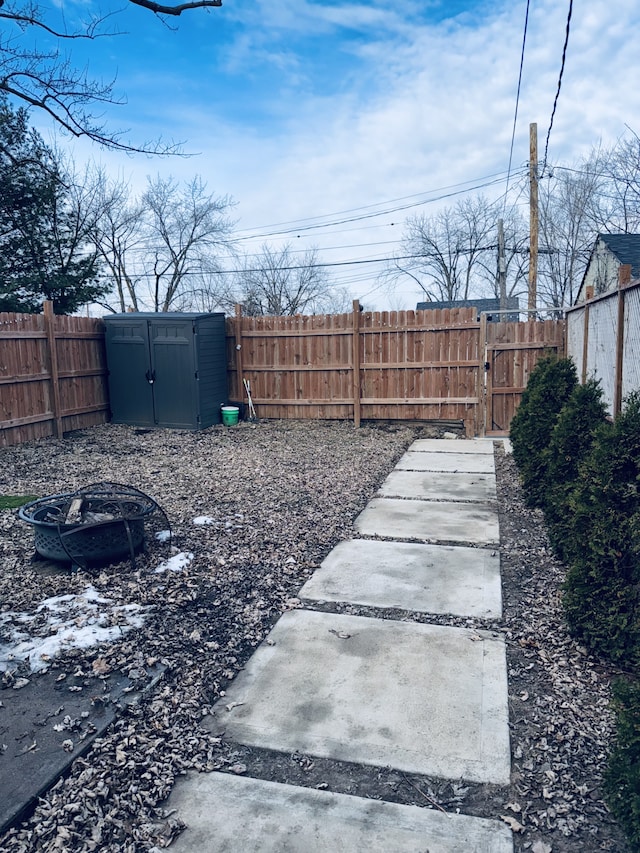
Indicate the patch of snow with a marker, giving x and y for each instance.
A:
(204, 519)
(175, 564)
(163, 535)
(62, 623)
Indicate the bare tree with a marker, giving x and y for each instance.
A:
(618, 203)
(575, 204)
(36, 68)
(446, 254)
(277, 283)
(162, 251)
(118, 235)
(187, 229)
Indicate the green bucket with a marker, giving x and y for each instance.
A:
(230, 415)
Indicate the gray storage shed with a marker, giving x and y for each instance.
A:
(166, 369)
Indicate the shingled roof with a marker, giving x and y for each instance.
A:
(626, 247)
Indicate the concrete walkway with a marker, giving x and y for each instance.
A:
(419, 698)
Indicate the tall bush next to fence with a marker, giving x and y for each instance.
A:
(602, 590)
(592, 502)
(571, 441)
(622, 780)
(549, 388)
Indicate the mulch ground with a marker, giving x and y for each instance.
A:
(277, 496)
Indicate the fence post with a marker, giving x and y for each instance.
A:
(238, 332)
(624, 277)
(483, 403)
(355, 349)
(49, 320)
(585, 344)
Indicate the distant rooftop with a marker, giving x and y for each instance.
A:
(481, 305)
(626, 247)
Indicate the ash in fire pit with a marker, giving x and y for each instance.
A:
(101, 523)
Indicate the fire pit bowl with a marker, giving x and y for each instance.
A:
(100, 523)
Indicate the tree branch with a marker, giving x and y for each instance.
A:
(161, 9)
(47, 79)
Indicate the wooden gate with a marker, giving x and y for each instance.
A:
(511, 352)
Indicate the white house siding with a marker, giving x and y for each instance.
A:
(602, 272)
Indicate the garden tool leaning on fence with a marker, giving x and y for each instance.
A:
(252, 411)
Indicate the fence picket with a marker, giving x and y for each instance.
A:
(408, 365)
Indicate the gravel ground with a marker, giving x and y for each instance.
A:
(275, 498)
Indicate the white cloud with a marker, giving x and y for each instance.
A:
(419, 105)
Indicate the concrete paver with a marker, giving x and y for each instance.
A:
(472, 463)
(439, 445)
(415, 577)
(431, 521)
(436, 485)
(228, 814)
(420, 698)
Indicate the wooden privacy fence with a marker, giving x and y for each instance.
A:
(512, 351)
(440, 365)
(53, 375)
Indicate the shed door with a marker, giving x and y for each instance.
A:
(130, 394)
(172, 360)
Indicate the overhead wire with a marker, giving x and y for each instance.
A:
(555, 102)
(367, 216)
(299, 223)
(321, 265)
(515, 115)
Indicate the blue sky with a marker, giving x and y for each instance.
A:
(301, 109)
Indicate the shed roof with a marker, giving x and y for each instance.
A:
(162, 315)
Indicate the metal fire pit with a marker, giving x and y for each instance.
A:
(101, 523)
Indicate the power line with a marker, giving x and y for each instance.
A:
(292, 267)
(365, 216)
(555, 102)
(299, 223)
(163, 248)
(515, 115)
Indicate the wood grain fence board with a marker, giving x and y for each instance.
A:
(39, 393)
(412, 364)
(513, 350)
(415, 365)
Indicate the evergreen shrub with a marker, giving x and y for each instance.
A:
(602, 589)
(622, 779)
(549, 387)
(571, 440)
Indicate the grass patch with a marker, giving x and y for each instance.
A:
(14, 501)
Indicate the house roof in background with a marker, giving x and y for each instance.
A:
(489, 305)
(626, 248)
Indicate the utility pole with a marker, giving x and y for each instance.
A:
(533, 215)
(502, 267)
